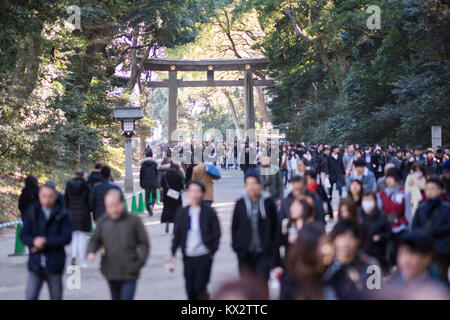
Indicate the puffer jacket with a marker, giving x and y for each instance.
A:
(76, 199)
(148, 177)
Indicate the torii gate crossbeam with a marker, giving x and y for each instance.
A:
(208, 65)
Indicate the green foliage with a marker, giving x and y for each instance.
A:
(58, 86)
(388, 85)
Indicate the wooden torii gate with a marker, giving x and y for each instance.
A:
(208, 66)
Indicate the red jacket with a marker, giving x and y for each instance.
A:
(392, 207)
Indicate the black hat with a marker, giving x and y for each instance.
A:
(418, 147)
(253, 173)
(393, 172)
(418, 241)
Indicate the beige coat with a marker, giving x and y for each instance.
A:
(415, 186)
(198, 173)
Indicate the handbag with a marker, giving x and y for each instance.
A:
(174, 194)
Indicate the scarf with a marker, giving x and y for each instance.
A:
(248, 204)
(312, 187)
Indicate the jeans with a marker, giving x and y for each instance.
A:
(285, 176)
(34, 285)
(197, 271)
(122, 290)
(235, 163)
(338, 181)
(256, 263)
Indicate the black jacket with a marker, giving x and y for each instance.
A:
(438, 226)
(375, 224)
(172, 179)
(335, 167)
(432, 168)
(94, 177)
(148, 177)
(372, 164)
(57, 230)
(241, 230)
(322, 163)
(76, 199)
(350, 281)
(97, 197)
(26, 199)
(209, 226)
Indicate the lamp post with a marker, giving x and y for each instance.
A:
(128, 115)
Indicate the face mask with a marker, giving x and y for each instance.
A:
(368, 205)
(418, 175)
(307, 157)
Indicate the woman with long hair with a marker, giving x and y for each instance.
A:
(356, 191)
(283, 165)
(348, 210)
(415, 184)
(307, 261)
(172, 182)
(292, 160)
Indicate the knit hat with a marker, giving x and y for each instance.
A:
(393, 172)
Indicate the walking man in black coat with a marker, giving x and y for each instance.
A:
(98, 192)
(95, 175)
(254, 228)
(433, 217)
(76, 199)
(197, 233)
(46, 230)
(148, 179)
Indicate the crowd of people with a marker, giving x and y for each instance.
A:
(318, 224)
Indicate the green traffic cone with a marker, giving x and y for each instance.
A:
(133, 205)
(141, 203)
(19, 248)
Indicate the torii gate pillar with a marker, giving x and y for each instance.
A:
(249, 107)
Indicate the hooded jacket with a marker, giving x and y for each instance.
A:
(148, 177)
(97, 197)
(241, 229)
(76, 199)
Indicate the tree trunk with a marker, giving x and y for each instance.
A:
(27, 67)
(232, 109)
(262, 106)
